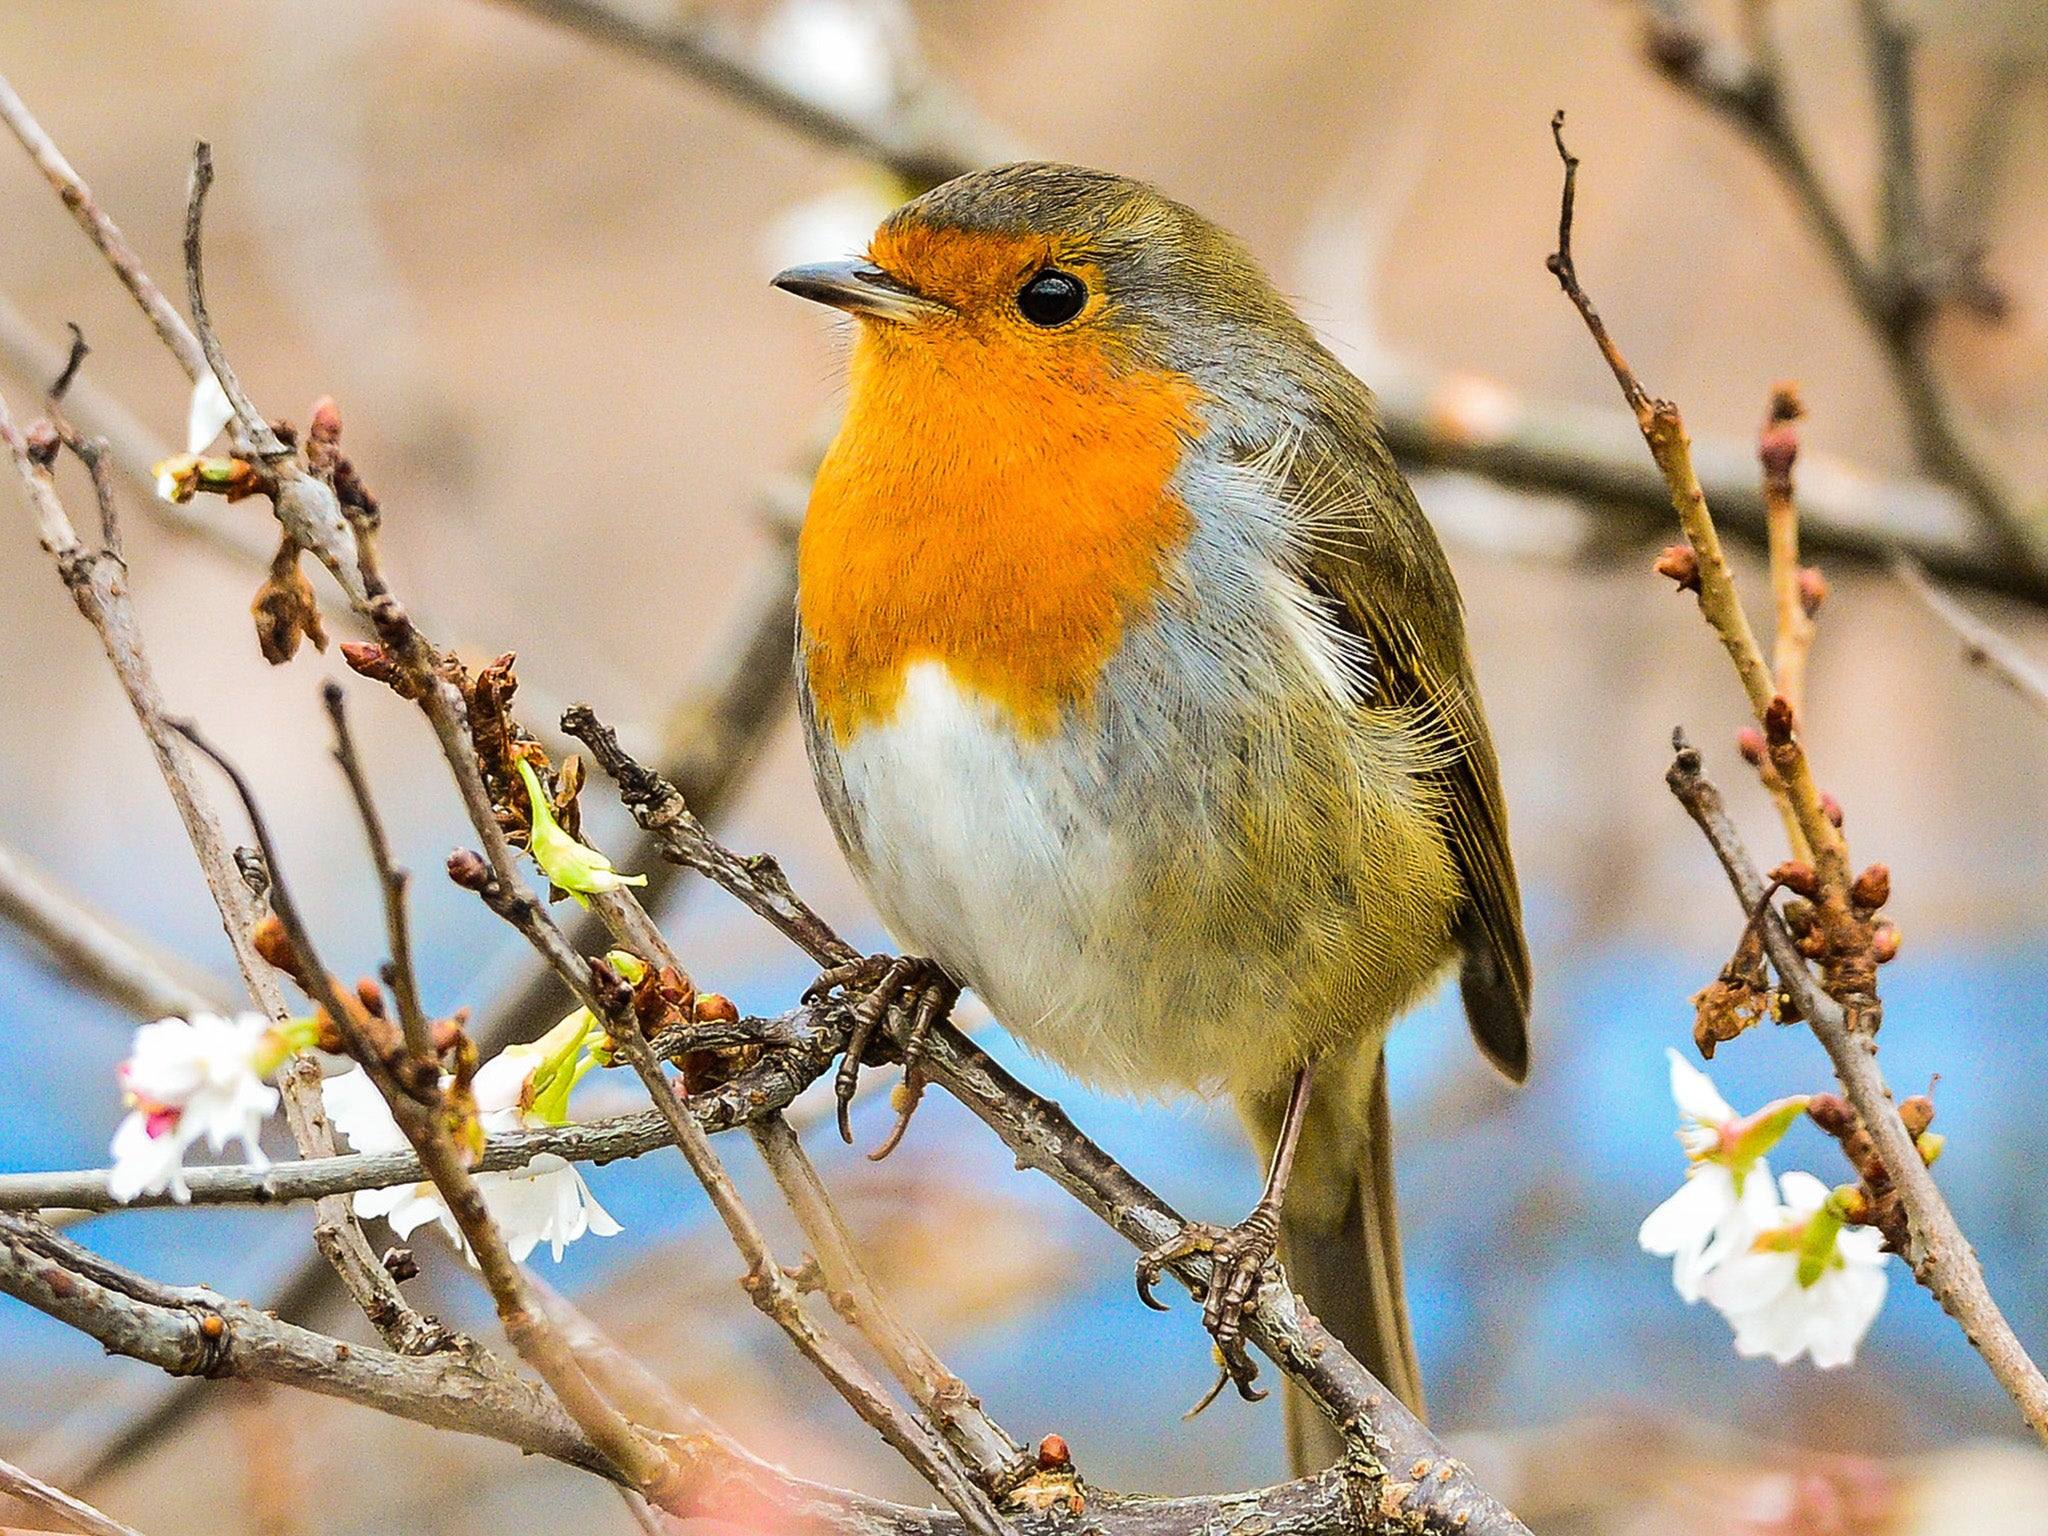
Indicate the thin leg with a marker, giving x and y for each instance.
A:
(1238, 1255)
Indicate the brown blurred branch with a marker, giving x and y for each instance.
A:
(55, 1501)
(1897, 288)
(1982, 645)
(929, 135)
(119, 966)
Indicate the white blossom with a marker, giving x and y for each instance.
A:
(1808, 1285)
(547, 1201)
(207, 414)
(187, 1079)
(1727, 1197)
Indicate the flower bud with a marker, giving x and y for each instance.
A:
(1749, 741)
(714, 1008)
(42, 442)
(1053, 1455)
(1681, 562)
(1831, 808)
(1798, 876)
(1884, 942)
(1813, 589)
(268, 938)
(466, 867)
(1831, 1112)
(1930, 1146)
(1873, 888)
(1917, 1113)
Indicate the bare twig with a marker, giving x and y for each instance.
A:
(998, 1462)
(411, 1087)
(75, 1512)
(766, 1283)
(1939, 1255)
(1982, 645)
(104, 234)
(98, 585)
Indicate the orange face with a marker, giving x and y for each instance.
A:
(997, 500)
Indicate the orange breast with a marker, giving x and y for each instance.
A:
(1000, 509)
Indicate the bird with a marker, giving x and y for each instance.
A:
(1136, 690)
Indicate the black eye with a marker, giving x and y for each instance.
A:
(1053, 297)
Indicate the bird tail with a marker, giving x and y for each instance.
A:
(1340, 1237)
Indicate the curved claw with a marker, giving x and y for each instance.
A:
(1147, 1278)
(913, 1094)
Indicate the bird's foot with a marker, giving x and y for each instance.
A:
(891, 989)
(1238, 1260)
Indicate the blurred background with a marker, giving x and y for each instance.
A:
(532, 268)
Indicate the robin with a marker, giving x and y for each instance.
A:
(1136, 690)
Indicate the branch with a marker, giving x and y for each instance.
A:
(928, 136)
(104, 233)
(1982, 645)
(1417, 1479)
(1939, 1255)
(98, 585)
(55, 1501)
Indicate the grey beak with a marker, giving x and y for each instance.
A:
(859, 288)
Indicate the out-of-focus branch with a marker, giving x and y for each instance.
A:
(1982, 645)
(55, 1501)
(121, 967)
(1895, 290)
(927, 136)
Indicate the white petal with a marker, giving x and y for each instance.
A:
(359, 1112)
(209, 412)
(143, 1164)
(1804, 1194)
(501, 1082)
(1694, 1093)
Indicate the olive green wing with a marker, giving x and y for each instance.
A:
(1371, 556)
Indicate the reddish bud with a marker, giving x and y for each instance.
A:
(1831, 808)
(1797, 875)
(400, 1264)
(1884, 943)
(269, 939)
(1778, 721)
(1786, 406)
(326, 424)
(1873, 888)
(1749, 741)
(714, 1008)
(466, 867)
(41, 441)
(1681, 562)
(1831, 1112)
(1813, 589)
(1053, 1455)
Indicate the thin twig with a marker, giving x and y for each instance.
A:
(411, 1087)
(1424, 1484)
(98, 585)
(766, 1283)
(104, 233)
(1982, 645)
(75, 1512)
(1939, 1255)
